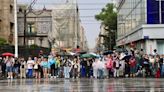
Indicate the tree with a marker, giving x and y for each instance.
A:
(108, 18)
(3, 41)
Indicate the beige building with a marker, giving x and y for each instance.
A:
(58, 27)
(83, 40)
(100, 40)
(38, 24)
(66, 28)
(7, 20)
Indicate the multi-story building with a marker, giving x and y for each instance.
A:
(7, 20)
(102, 35)
(58, 27)
(38, 24)
(66, 26)
(141, 25)
(83, 40)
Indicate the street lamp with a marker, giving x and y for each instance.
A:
(16, 29)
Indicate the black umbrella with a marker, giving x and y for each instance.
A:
(127, 57)
(108, 52)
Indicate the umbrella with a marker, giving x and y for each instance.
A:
(8, 54)
(126, 57)
(71, 53)
(107, 52)
(82, 52)
(121, 50)
(88, 56)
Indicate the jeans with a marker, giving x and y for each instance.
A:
(95, 73)
(100, 73)
(9, 68)
(30, 73)
(56, 71)
(116, 72)
(66, 72)
(16, 70)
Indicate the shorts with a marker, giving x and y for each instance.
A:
(9, 68)
(53, 66)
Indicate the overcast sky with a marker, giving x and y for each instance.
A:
(88, 9)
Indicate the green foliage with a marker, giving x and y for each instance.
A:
(3, 41)
(34, 46)
(108, 18)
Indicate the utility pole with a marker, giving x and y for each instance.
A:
(25, 21)
(16, 28)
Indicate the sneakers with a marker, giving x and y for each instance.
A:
(11, 77)
(8, 77)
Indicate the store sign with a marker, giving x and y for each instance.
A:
(146, 37)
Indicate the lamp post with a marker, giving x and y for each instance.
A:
(16, 29)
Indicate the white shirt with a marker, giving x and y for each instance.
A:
(30, 64)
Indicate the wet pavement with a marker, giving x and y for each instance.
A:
(82, 85)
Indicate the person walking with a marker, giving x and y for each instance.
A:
(9, 66)
(22, 68)
(52, 62)
(67, 65)
(30, 64)
(132, 63)
(95, 68)
(116, 66)
(16, 67)
(100, 67)
(109, 66)
(75, 68)
(45, 66)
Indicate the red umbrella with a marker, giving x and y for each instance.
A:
(8, 54)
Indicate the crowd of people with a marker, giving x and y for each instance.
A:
(112, 65)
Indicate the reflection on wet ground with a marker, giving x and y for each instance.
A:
(82, 85)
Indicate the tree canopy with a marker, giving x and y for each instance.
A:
(108, 18)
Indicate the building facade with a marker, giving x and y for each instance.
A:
(83, 40)
(38, 24)
(101, 38)
(7, 20)
(58, 27)
(66, 27)
(140, 25)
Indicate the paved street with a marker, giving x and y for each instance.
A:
(82, 85)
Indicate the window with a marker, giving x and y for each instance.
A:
(31, 42)
(152, 12)
(11, 9)
(31, 28)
